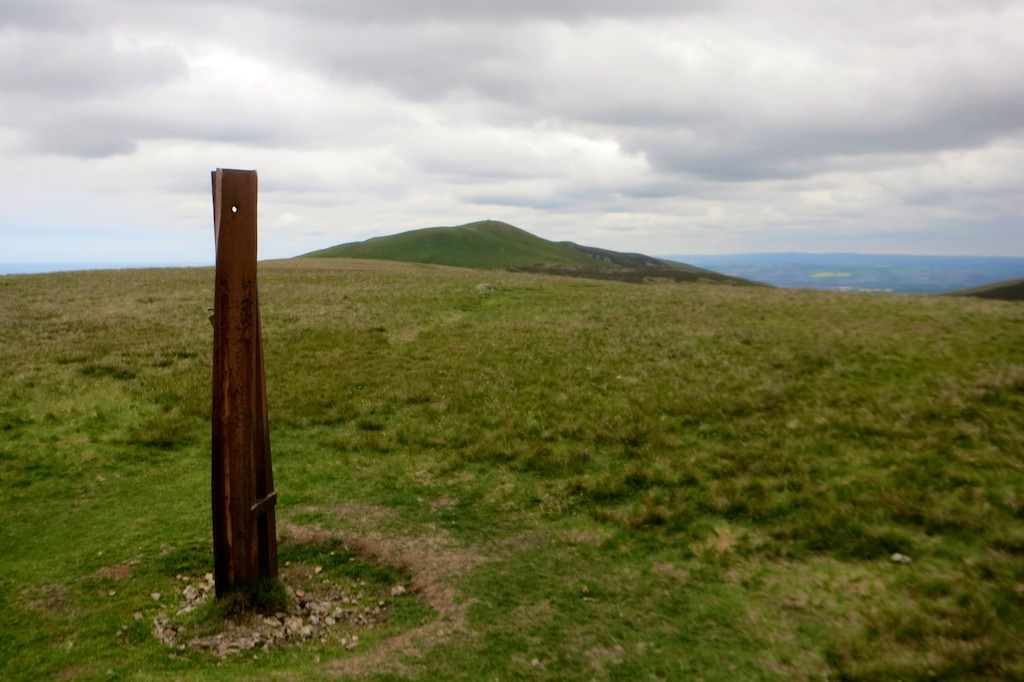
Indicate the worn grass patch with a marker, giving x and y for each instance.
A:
(577, 479)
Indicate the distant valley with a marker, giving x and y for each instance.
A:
(863, 272)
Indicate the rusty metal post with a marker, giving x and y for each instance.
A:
(244, 529)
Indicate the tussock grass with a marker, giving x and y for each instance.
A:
(727, 471)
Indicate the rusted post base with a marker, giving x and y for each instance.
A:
(244, 528)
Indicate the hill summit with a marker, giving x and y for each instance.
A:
(487, 244)
(493, 245)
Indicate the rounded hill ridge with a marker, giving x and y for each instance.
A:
(494, 245)
(486, 244)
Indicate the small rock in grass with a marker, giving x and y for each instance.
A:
(318, 570)
(898, 558)
(155, 596)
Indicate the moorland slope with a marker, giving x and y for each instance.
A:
(1011, 290)
(557, 479)
(492, 244)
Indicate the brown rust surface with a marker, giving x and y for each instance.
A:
(244, 540)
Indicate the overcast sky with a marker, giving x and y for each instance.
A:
(660, 126)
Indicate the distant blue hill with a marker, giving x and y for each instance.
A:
(863, 272)
(39, 268)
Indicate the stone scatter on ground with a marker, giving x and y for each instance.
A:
(319, 612)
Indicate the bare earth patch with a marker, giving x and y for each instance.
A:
(434, 561)
(318, 609)
(672, 571)
(121, 571)
(50, 598)
(321, 611)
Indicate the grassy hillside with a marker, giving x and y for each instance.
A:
(642, 275)
(569, 479)
(491, 244)
(1012, 290)
(488, 244)
(629, 260)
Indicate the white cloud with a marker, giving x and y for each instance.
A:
(656, 126)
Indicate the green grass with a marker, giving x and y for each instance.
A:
(583, 479)
(1010, 290)
(485, 244)
(491, 245)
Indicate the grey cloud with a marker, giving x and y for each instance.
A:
(520, 201)
(774, 153)
(892, 81)
(423, 62)
(231, 15)
(66, 93)
(737, 150)
(61, 67)
(96, 130)
(707, 113)
(74, 139)
(46, 14)
(402, 11)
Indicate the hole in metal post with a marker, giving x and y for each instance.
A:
(234, 209)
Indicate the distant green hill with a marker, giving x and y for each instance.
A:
(488, 244)
(493, 245)
(1010, 290)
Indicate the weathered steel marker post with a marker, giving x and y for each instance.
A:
(244, 527)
